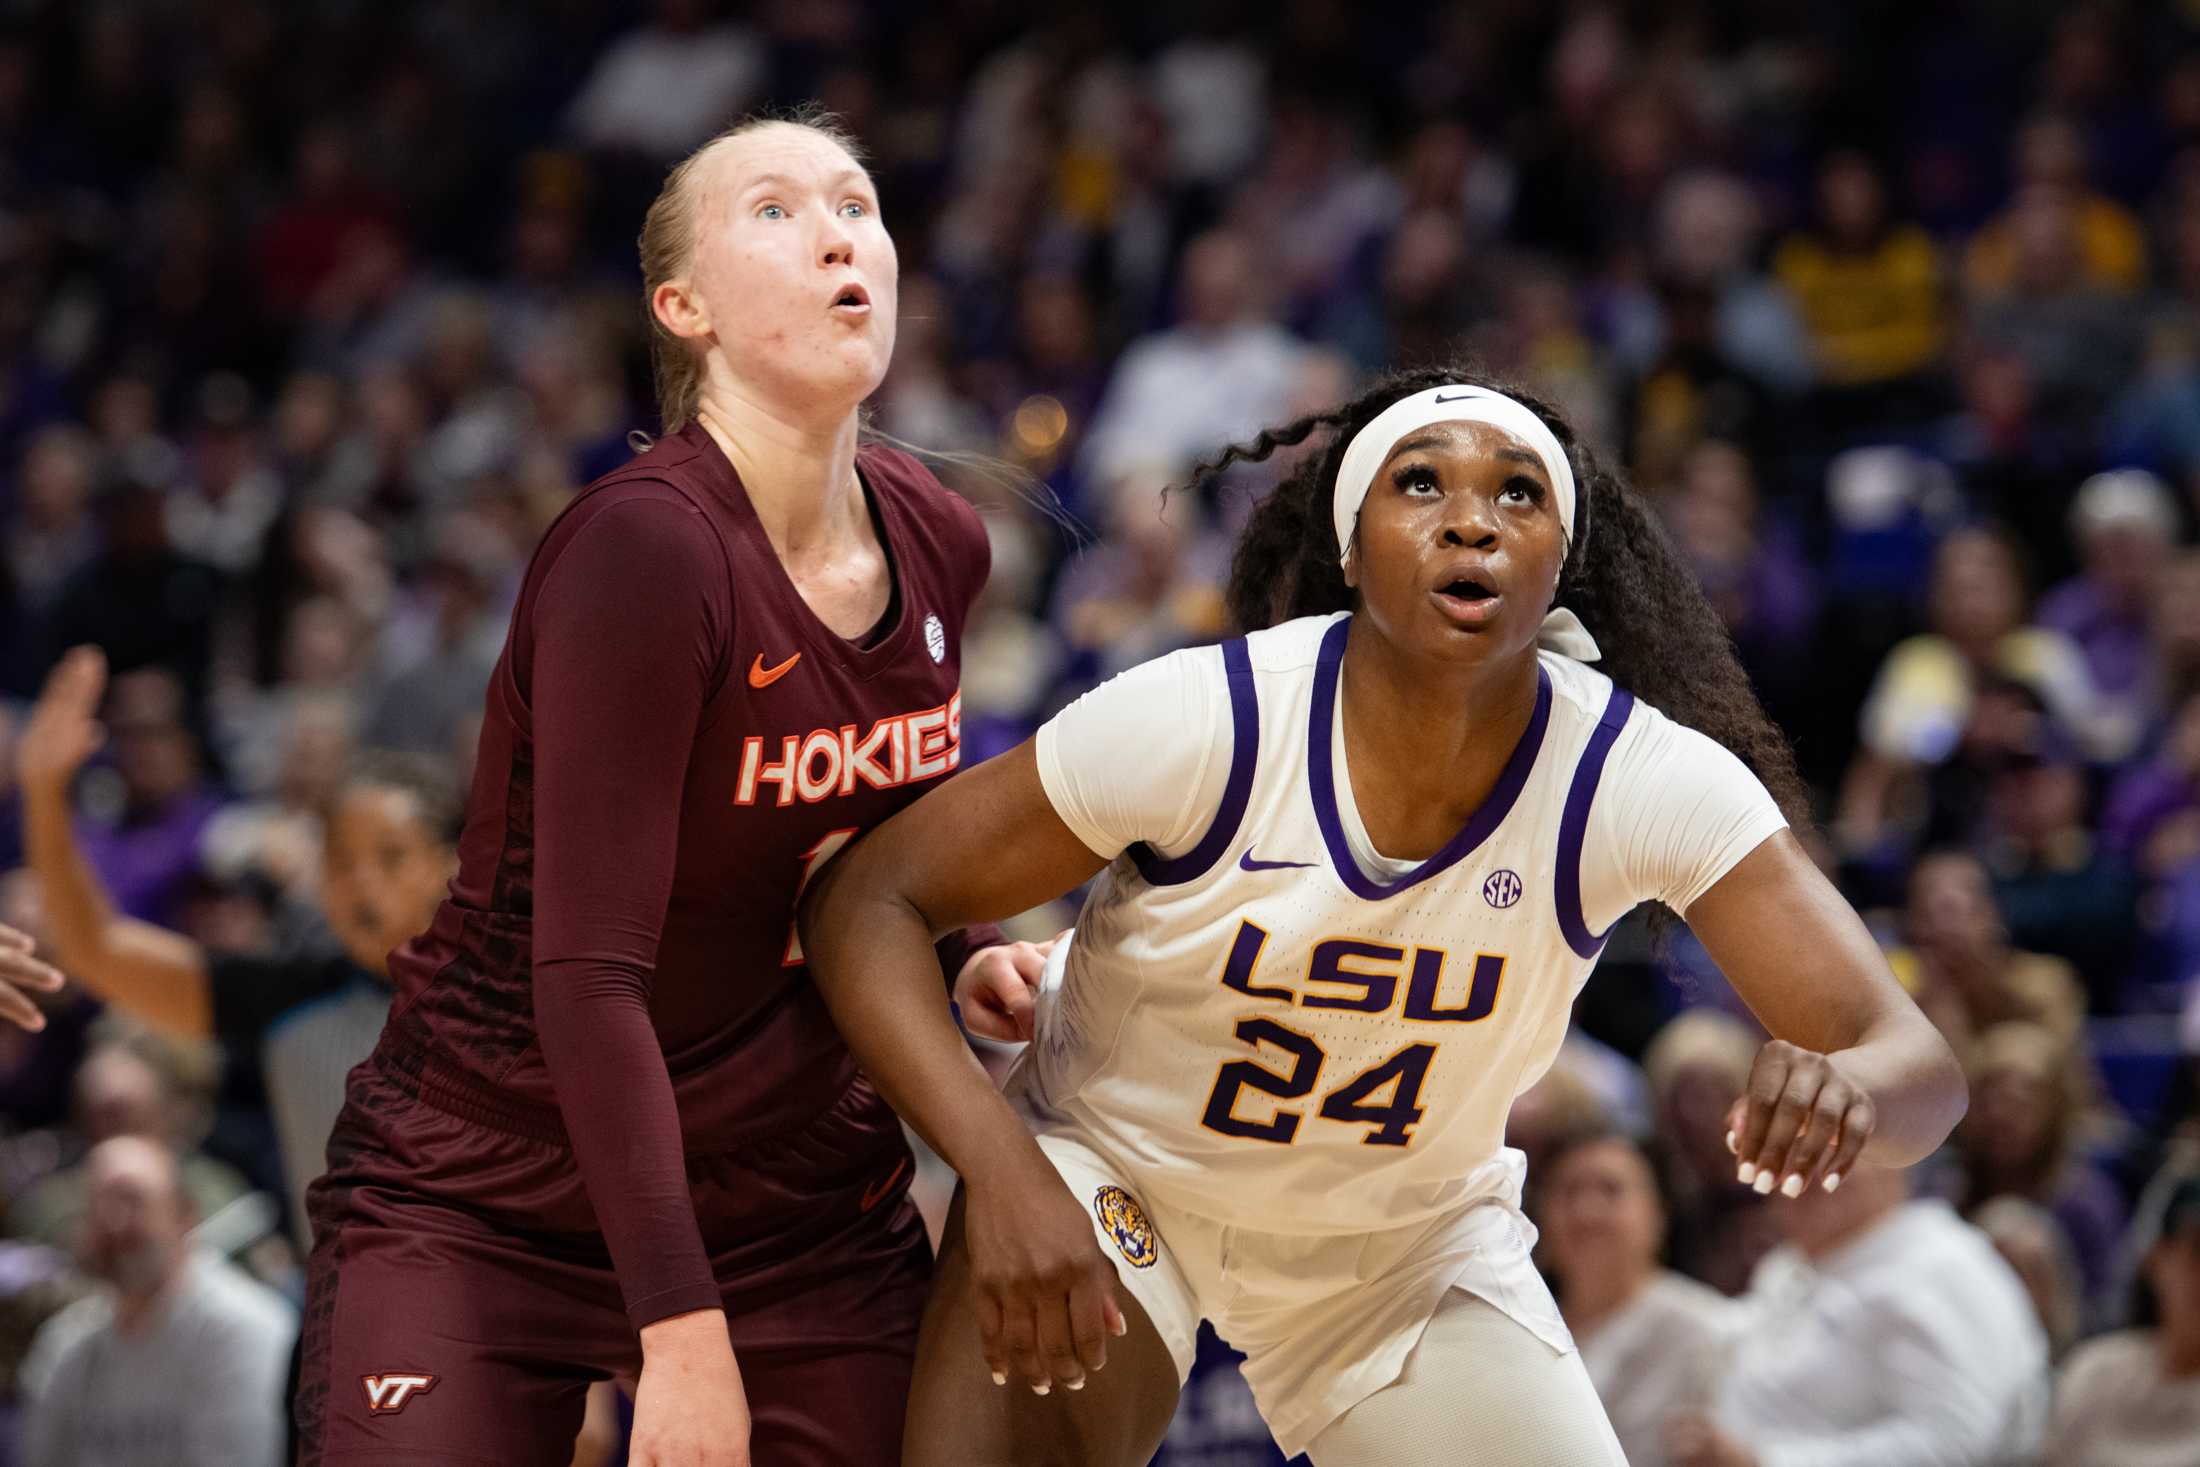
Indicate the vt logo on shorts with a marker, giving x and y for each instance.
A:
(387, 1394)
(1125, 1223)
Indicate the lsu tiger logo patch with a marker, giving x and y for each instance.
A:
(1124, 1221)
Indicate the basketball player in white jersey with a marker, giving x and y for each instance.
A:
(1352, 871)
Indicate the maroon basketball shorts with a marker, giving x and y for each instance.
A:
(460, 1302)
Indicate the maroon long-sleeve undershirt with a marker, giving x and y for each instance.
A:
(627, 637)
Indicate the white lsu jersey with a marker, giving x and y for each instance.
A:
(1276, 1027)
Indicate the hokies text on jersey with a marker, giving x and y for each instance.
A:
(827, 762)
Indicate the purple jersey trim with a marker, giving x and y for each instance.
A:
(1320, 731)
(1574, 824)
(1244, 754)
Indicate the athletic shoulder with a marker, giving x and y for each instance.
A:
(1141, 759)
(1672, 811)
(642, 524)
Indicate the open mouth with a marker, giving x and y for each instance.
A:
(852, 298)
(1467, 601)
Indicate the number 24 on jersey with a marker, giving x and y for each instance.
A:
(1358, 977)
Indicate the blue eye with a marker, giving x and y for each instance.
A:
(853, 210)
(771, 211)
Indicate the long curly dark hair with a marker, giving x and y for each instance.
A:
(1660, 638)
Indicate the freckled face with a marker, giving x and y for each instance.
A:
(1459, 545)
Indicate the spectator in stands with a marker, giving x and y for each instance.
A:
(1868, 286)
(1921, 701)
(53, 533)
(2080, 338)
(2132, 1399)
(1179, 394)
(132, 1087)
(145, 844)
(228, 498)
(1153, 585)
(668, 84)
(1753, 570)
(178, 1362)
(2125, 526)
(2109, 248)
(1707, 232)
(1696, 1066)
(1886, 1333)
(1959, 966)
(2060, 892)
(391, 842)
(2176, 674)
(1561, 1105)
(2025, 1136)
(144, 602)
(2152, 824)
(2032, 1243)
(1650, 1337)
(2151, 819)
(443, 641)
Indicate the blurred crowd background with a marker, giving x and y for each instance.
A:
(313, 314)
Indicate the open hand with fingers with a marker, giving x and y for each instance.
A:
(22, 974)
(1800, 1123)
(63, 730)
(1046, 1293)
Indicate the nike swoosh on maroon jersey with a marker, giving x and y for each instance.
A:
(873, 1196)
(761, 676)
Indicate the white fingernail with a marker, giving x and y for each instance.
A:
(1731, 1144)
(1746, 1173)
(1077, 1384)
(1792, 1187)
(1041, 1389)
(1833, 1180)
(999, 1379)
(1763, 1185)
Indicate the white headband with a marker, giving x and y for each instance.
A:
(1457, 403)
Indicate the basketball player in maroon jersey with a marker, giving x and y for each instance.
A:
(610, 1127)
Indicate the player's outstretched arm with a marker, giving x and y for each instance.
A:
(985, 846)
(1853, 1070)
(157, 975)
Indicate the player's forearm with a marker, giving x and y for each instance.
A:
(872, 959)
(1915, 1083)
(76, 907)
(615, 1094)
(156, 975)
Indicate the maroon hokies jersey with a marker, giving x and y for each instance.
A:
(672, 742)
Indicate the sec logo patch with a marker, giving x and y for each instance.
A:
(1502, 889)
(935, 637)
(1124, 1221)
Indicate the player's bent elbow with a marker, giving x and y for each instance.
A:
(1936, 1098)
